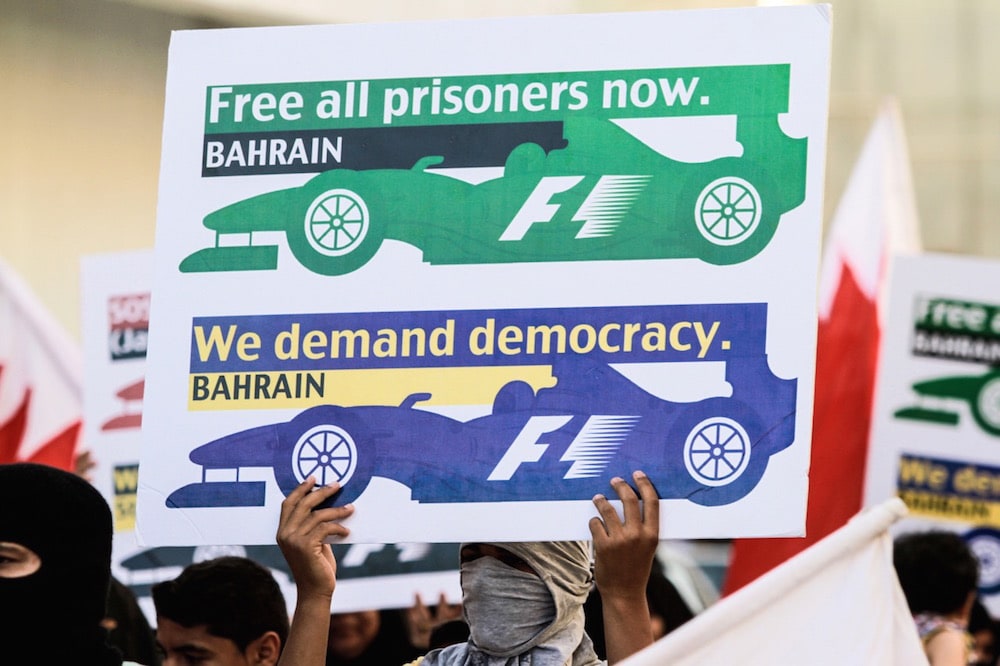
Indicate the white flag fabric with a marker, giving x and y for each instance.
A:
(40, 380)
(838, 602)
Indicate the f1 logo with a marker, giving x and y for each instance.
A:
(600, 213)
(591, 449)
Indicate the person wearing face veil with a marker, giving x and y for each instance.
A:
(55, 536)
(518, 618)
(523, 602)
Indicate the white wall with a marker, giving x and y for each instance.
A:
(81, 109)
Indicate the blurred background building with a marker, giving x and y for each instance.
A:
(82, 88)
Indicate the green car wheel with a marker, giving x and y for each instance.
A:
(986, 409)
(336, 235)
(337, 222)
(728, 211)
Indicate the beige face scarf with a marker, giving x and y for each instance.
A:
(506, 609)
(519, 619)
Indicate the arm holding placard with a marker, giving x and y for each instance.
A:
(623, 558)
(624, 551)
(302, 534)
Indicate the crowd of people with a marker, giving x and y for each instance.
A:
(540, 603)
(521, 603)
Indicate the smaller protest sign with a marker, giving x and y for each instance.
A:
(936, 425)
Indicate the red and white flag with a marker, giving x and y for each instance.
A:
(40, 380)
(875, 219)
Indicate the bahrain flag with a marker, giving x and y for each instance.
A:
(40, 380)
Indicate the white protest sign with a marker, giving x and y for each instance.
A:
(472, 283)
(936, 427)
(115, 296)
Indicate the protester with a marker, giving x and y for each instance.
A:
(938, 573)
(522, 600)
(228, 612)
(388, 636)
(128, 629)
(367, 637)
(55, 567)
(435, 626)
(302, 533)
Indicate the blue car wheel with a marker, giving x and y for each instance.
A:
(327, 453)
(330, 444)
(984, 542)
(717, 451)
(717, 443)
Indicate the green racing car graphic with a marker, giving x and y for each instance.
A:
(605, 196)
(980, 392)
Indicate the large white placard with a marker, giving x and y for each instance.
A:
(473, 281)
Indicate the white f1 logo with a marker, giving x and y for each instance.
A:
(601, 212)
(537, 207)
(590, 451)
(526, 447)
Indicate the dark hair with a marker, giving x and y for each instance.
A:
(233, 597)
(131, 632)
(979, 617)
(936, 570)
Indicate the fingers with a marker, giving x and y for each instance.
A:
(308, 520)
(608, 519)
(290, 503)
(446, 611)
(638, 510)
(318, 496)
(300, 491)
(630, 501)
(597, 530)
(328, 521)
(650, 500)
(304, 499)
(328, 530)
(299, 513)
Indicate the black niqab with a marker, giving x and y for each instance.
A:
(53, 615)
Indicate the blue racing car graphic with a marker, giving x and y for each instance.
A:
(561, 443)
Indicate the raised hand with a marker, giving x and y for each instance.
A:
(624, 548)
